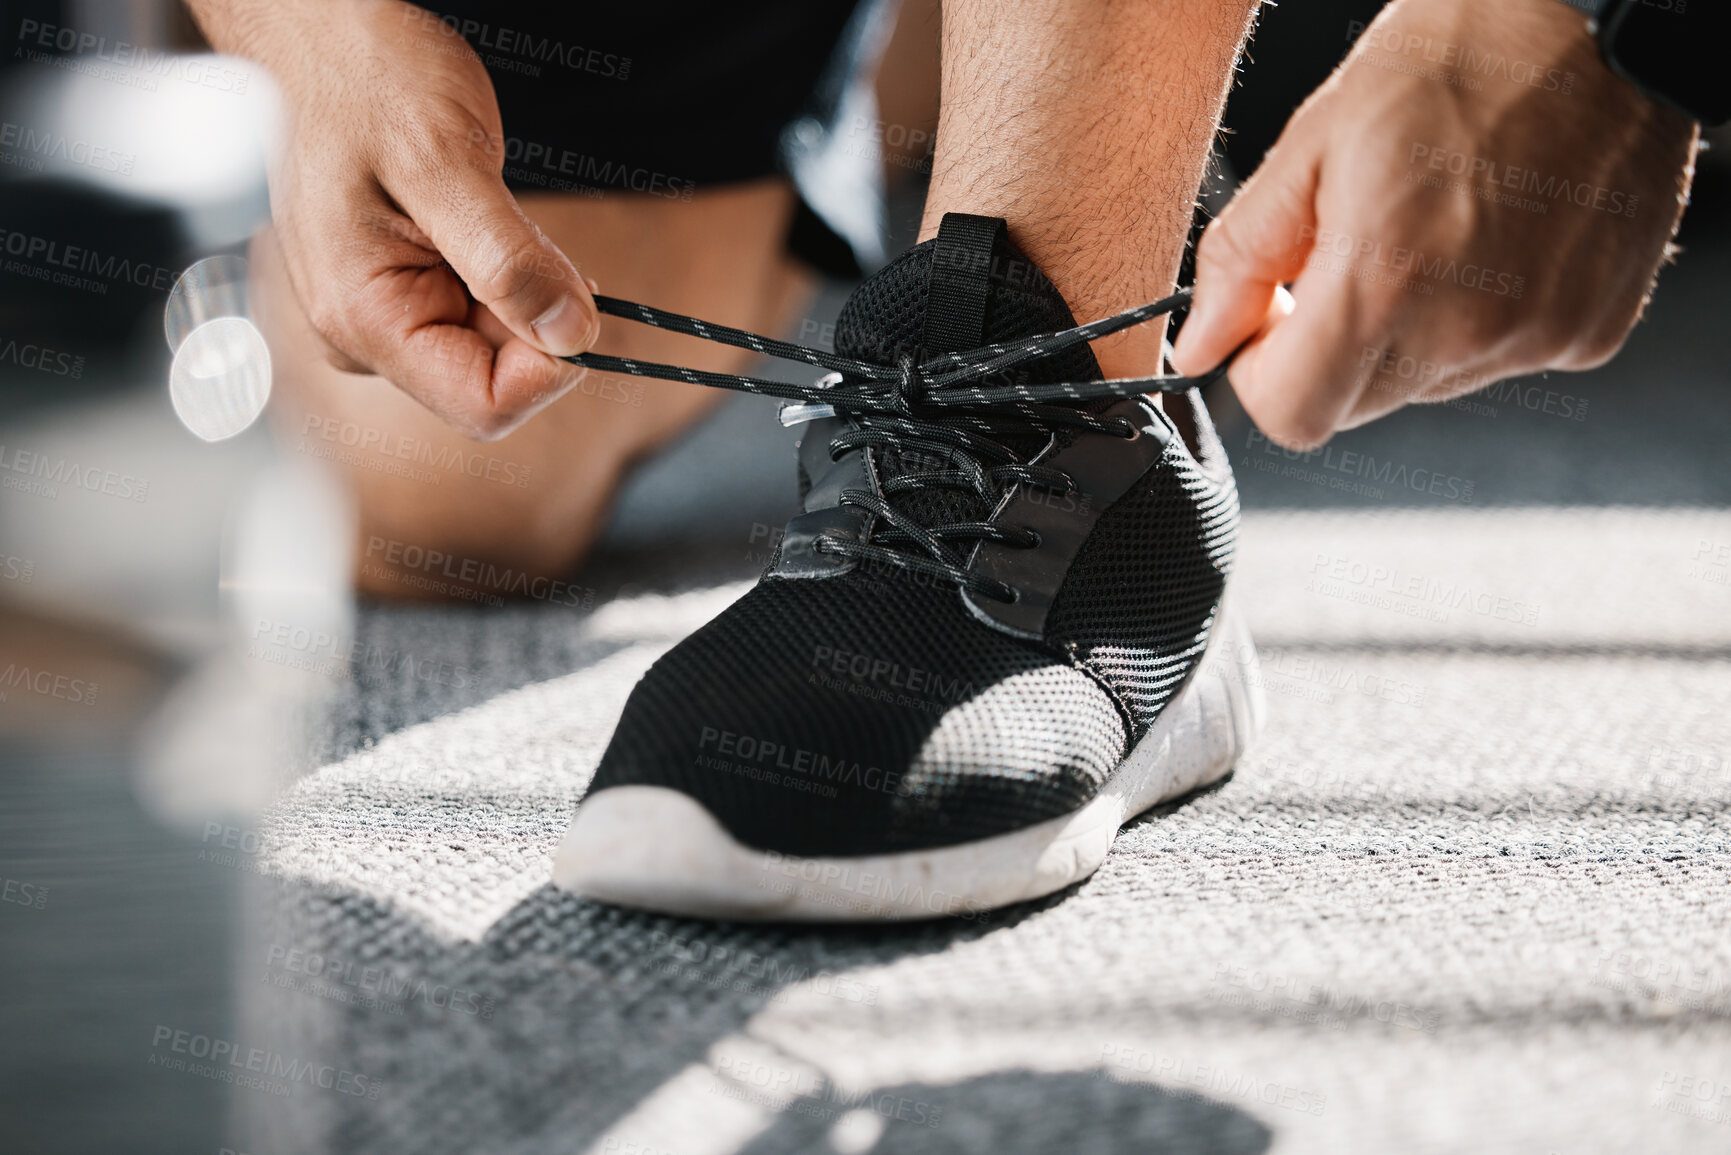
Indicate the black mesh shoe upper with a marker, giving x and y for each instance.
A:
(864, 715)
(870, 711)
(1137, 601)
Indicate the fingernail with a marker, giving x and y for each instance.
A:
(593, 287)
(565, 328)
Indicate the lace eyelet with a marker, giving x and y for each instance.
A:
(1039, 538)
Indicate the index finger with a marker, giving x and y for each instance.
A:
(1258, 243)
(424, 333)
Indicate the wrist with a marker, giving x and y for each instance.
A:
(1551, 33)
(1567, 26)
(1618, 106)
(1549, 44)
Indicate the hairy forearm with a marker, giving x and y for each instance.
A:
(1086, 124)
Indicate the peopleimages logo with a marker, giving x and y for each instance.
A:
(534, 162)
(422, 568)
(750, 1080)
(45, 473)
(891, 675)
(1694, 1096)
(1371, 260)
(525, 46)
(39, 42)
(449, 459)
(768, 754)
(57, 263)
(344, 980)
(910, 148)
(1285, 996)
(40, 145)
(42, 359)
(719, 965)
(839, 884)
(1365, 472)
(300, 648)
(1391, 587)
(46, 683)
(1524, 180)
(31, 894)
(1311, 677)
(228, 1062)
(1661, 977)
(1457, 64)
(1412, 378)
(1196, 1080)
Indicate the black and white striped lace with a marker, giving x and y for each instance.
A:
(944, 410)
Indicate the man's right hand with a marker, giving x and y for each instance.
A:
(408, 253)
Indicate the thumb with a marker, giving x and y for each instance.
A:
(1257, 244)
(503, 259)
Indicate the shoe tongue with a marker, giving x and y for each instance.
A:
(889, 314)
(969, 287)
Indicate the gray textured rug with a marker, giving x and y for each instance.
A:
(1470, 892)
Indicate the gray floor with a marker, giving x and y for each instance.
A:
(1470, 892)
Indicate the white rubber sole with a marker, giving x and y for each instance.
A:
(658, 849)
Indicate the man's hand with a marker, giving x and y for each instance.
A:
(1471, 196)
(407, 251)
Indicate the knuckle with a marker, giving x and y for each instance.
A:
(1553, 338)
(504, 270)
(481, 416)
(1216, 241)
(1223, 245)
(341, 361)
(1450, 226)
(488, 427)
(1592, 350)
(437, 139)
(1485, 327)
(478, 419)
(373, 314)
(386, 228)
(1379, 310)
(1299, 433)
(1591, 344)
(450, 370)
(330, 318)
(1300, 428)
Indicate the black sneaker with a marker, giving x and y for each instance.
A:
(999, 629)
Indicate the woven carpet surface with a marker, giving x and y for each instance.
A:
(1470, 891)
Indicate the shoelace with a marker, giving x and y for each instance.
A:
(939, 410)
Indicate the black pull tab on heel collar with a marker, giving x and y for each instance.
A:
(960, 279)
